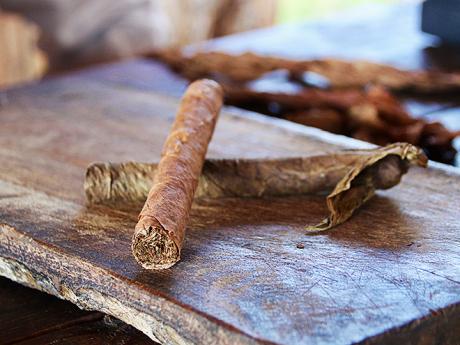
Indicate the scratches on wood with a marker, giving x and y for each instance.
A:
(242, 279)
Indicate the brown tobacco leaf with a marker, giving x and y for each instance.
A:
(240, 68)
(346, 109)
(373, 115)
(358, 73)
(130, 182)
(324, 118)
(383, 103)
(351, 175)
(306, 98)
(381, 169)
(339, 73)
(367, 111)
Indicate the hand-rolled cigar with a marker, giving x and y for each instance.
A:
(381, 170)
(112, 183)
(159, 234)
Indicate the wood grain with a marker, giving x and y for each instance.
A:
(385, 274)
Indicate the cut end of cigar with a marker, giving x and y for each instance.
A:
(153, 247)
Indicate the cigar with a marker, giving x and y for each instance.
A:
(129, 183)
(159, 233)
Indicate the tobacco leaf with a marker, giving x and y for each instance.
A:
(351, 175)
(339, 73)
(130, 182)
(326, 119)
(381, 169)
(381, 102)
(373, 115)
(366, 110)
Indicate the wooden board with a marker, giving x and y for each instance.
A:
(390, 274)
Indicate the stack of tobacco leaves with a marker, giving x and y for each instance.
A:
(350, 98)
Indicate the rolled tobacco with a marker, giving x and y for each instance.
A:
(160, 231)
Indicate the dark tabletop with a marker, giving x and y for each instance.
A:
(389, 35)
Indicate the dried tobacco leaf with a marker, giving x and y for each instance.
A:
(373, 115)
(326, 119)
(339, 73)
(381, 169)
(353, 175)
(366, 110)
(356, 175)
(130, 182)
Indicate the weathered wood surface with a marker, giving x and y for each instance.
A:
(346, 285)
(391, 273)
(31, 317)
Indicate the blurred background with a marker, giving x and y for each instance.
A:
(51, 36)
(48, 37)
(289, 11)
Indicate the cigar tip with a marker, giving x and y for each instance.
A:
(153, 247)
(207, 85)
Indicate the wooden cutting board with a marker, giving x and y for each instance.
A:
(389, 275)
